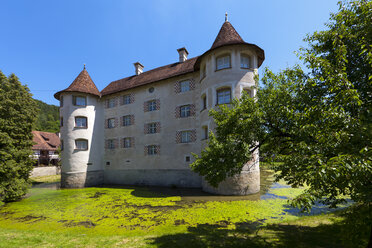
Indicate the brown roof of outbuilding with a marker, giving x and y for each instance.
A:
(45, 141)
(227, 35)
(157, 74)
(82, 83)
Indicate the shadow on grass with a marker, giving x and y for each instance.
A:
(317, 231)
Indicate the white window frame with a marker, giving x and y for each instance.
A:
(223, 62)
(81, 144)
(222, 97)
(127, 142)
(185, 86)
(126, 99)
(111, 123)
(151, 150)
(152, 128)
(185, 111)
(151, 105)
(245, 61)
(111, 144)
(127, 120)
(79, 100)
(111, 103)
(79, 122)
(185, 136)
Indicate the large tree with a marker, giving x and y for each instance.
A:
(317, 122)
(17, 116)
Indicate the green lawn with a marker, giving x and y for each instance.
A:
(144, 217)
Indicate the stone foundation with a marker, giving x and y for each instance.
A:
(246, 183)
(45, 171)
(81, 179)
(167, 178)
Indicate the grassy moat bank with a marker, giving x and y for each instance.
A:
(158, 217)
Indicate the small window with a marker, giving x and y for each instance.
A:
(151, 150)
(223, 62)
(61, 145)
(223, 96)
(185, 136)
(205, 132)
(127, 142)
(152, 128)
(185, 111)
(81, 122)
(127, 120)
(151, 89)
(79, 100)
(111, 103)
(151, 105)
(244, 61)
(81, 144)
(61, 101)
(126, 99)
(185, 86)
(187, 159)
(204, 102)
(111, 123)
(61, 121)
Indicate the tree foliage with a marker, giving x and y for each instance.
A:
(47, 118)
(17, 115)
(318, 123)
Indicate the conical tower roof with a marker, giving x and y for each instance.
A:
(227, 36)
(82, 83)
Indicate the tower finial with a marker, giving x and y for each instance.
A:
(84, 66)
(226, 20)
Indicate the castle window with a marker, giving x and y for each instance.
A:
(81, 122)
(111, 123)
(111, 103)
(61, 145)
(126, 99)
(204, 102)
(79, 100)
(127, 120)
(223, 62)
(151, 105)
(152, 128)
(223, 96)
(244, 61)
(61, 101)
(187, 159)
(185, 111)
(81, 144)
(127, 142)
(185, 136)
(248, 92)
(184, 86)
(61, 121)
(111, 144)
(205, 132)
(151, 150)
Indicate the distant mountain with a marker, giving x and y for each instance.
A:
(48, 117)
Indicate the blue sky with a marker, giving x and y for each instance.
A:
(46, 43)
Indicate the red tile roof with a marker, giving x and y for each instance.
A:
(157, 74)
(45, 141)
(82, 83)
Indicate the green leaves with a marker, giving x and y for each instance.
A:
(17, 115)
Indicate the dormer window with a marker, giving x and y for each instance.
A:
(223, 62)
(244, 61)
(79, 100)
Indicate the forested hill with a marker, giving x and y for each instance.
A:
(48, 117)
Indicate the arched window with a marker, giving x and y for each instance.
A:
(223, 62)
(244, 61)
(223, 96)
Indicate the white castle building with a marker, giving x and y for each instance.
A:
(142, 129)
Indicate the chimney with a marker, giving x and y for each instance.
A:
(183, 54)
(138, 68)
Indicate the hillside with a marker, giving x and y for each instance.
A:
(48, 117)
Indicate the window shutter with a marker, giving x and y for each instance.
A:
(178, 137)
(192, 110)
(132, 119)
(192, 84)
(177, 112)
(157, 104)
(193, 135)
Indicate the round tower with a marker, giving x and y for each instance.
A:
(228, 69)
(81, 116)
